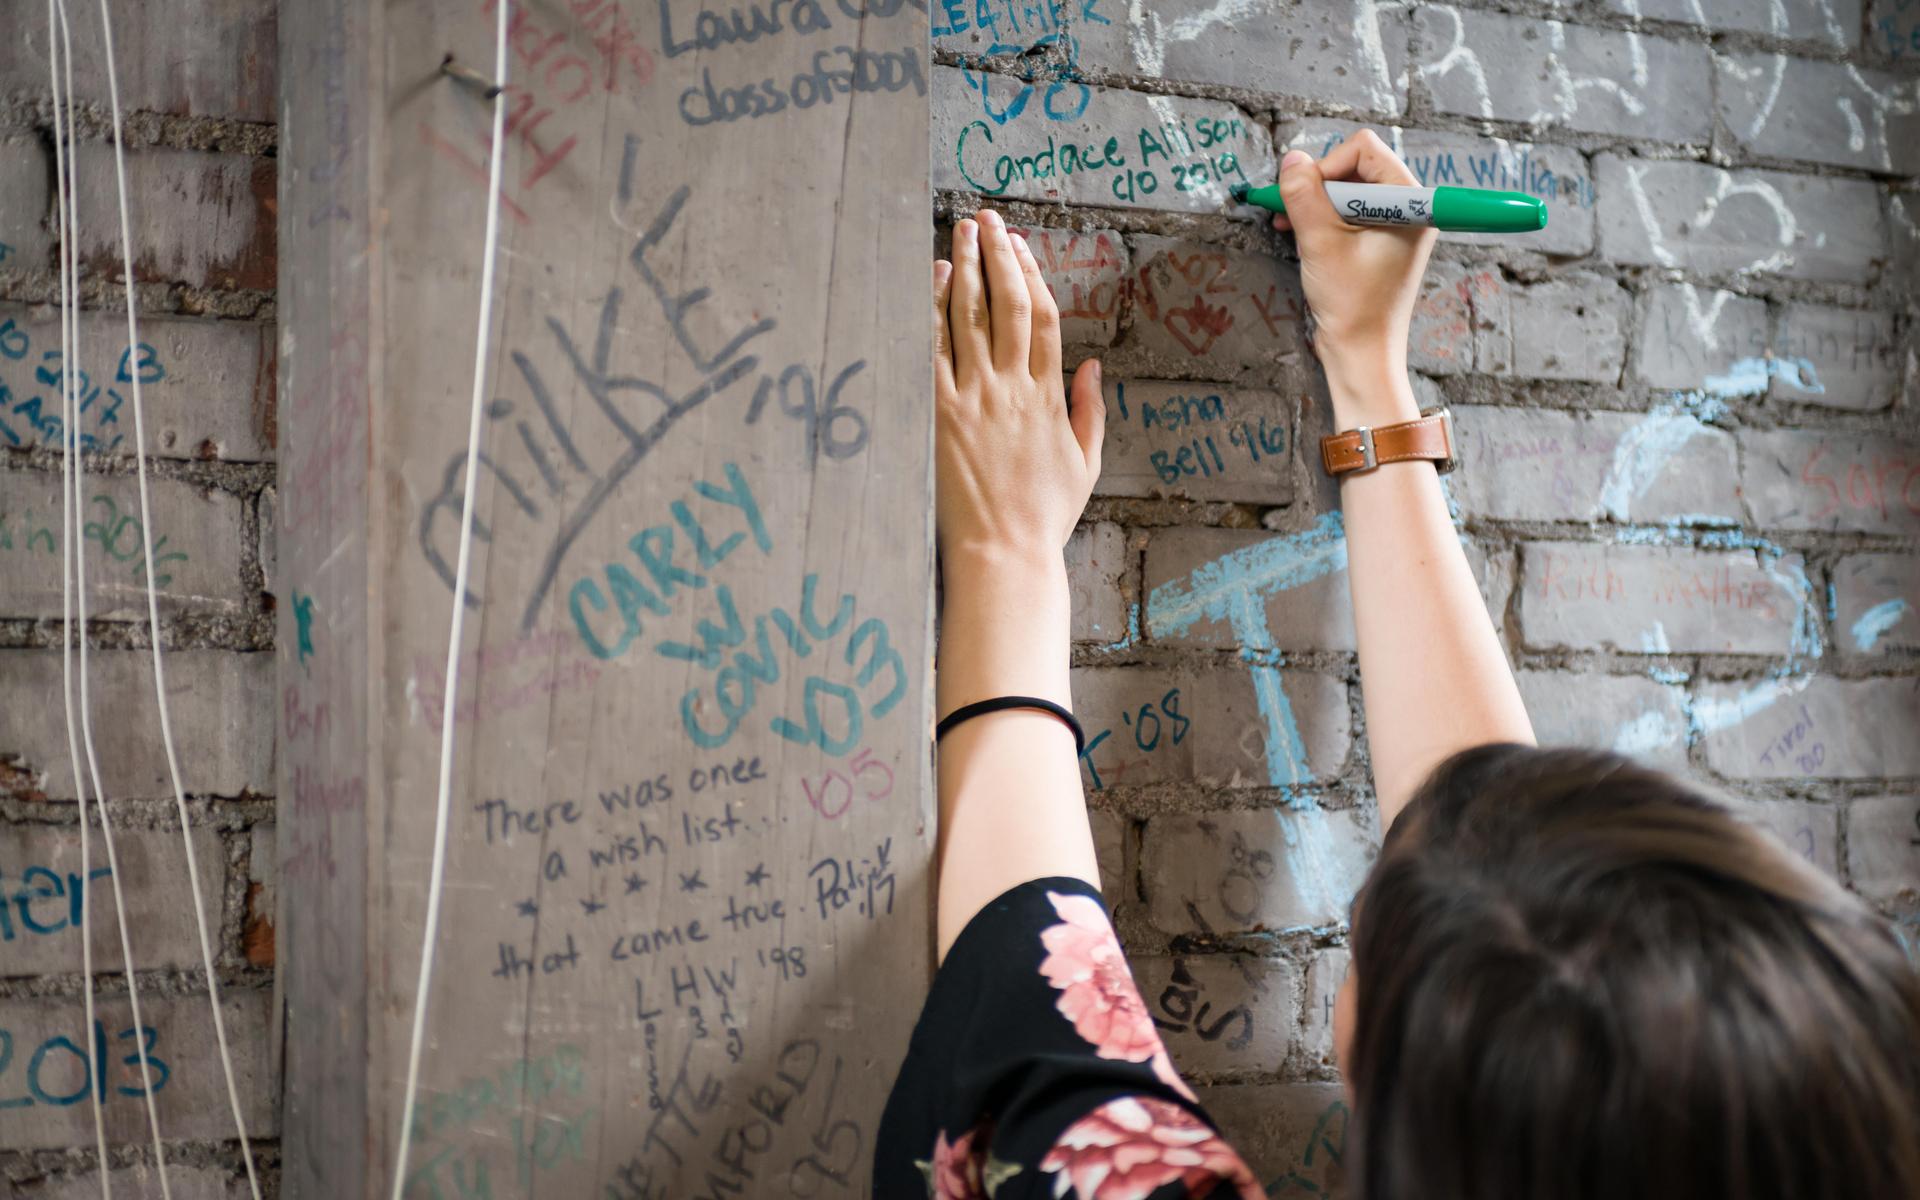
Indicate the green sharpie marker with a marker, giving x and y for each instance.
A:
(1458, 209)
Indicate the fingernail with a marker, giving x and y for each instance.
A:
(1294, 158)
(990, 217)
(1020, 244)
(1096, 369)
(967, 230)
(941, 269)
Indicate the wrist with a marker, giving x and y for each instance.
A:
(1372, 392)
(1005, 619)
(992, 569)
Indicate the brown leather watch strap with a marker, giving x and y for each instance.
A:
(1429, 437)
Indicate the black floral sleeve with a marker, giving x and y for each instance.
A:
(1035, 1072)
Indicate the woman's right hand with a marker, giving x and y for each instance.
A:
(1361, 281)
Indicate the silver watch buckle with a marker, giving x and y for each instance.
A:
(1369, 459)
(1447, 464)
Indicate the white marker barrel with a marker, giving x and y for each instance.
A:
(1381, 204)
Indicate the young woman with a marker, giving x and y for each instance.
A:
(1572, 977)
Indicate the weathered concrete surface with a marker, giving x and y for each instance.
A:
(42, 877)
(222, 721)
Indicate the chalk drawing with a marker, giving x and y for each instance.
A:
(1641, 454)
(1232, 588)
(1149, 36)
(1876, 621)
(1725, 188)
(1749, 377)
(1648, 732)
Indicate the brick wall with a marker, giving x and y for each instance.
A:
(1692, 480)
(198, 79)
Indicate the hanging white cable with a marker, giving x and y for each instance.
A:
(436, 876)
(69, 373)
(153, 624)
(69, 438)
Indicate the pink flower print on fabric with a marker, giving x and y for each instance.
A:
(1131, 1147)
(1097, 994)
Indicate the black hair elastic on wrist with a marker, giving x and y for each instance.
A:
(979, 708)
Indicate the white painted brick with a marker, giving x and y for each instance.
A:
(194, 58)
(1197, 441)
(1780, 106)
(1292, 1135)
(1883, 849)
(1877, 603)
(1097, 561)
(208, 386)
(1854, 356)
(1896, 30)
(41, 877)
(1335, 52)
(1199, 580)
(1220, 1014)
(1818, 728)
(269, 539)
(1811, 831)
(1902, 276)
(1658, 599)
(1122, 149)
(1483, 64)
(26, 203)
(1690, 335)
(1271, 870)
(1324, 977)
(1557, 174)
(1087, 272)
(1110, 849)
(1816, 480)
(223, 721)
(1207, 311)
(1835, 22)
(263, 894)
(142, 1182)
(1697, 217)
(200, 218)
(191, 1097)
(996, 27)
(1570, 327)
(197, 540)
(1205, 726)
(1458, 306)
(1625, 714)
(1552, 465)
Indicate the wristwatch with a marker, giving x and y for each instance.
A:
(1429, 437)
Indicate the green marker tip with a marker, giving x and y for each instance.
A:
(1239, 191)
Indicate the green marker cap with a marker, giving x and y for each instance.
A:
(1471, 210)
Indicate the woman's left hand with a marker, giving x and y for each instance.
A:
(1015, 463)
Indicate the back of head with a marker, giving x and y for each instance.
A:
(1578, 978)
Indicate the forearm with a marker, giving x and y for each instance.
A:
(1011, 807)
(1432, 672)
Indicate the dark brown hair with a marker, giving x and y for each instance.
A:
(1580, 978)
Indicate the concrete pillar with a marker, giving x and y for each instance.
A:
(686, 897)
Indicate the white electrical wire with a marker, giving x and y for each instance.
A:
(71, 480)
(436, 877)
(68, 440)
(153, 623)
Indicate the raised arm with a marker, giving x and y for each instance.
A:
(1432, 673)
(1013, 473)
